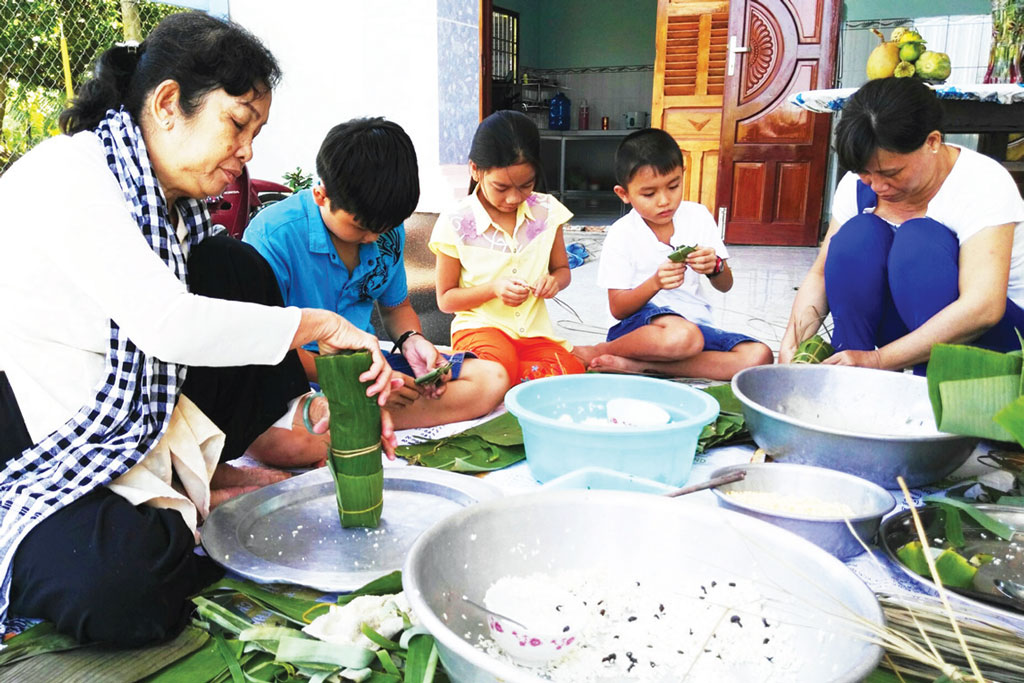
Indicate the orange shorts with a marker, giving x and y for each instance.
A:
(525, 358)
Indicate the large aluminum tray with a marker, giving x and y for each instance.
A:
(289, 532)
(898, 530)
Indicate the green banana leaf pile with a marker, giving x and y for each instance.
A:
(244, 633)
(489, 446)
(729, 427)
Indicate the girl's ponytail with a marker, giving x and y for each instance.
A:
(107, 89)
(506, 138)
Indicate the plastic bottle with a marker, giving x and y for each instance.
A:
(559, 112)
(584, 116)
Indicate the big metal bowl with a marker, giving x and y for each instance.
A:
(637, 536)
(870, 423)
(869, 503)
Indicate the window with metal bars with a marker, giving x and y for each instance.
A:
(504, 45)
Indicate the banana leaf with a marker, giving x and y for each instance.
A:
(970, 405)
(39, 639)
(489, 446)
(96, 663)
(727, 401)
(968, 385)
(1011, 418)
(355, 459)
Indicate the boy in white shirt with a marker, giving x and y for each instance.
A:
(665, 319)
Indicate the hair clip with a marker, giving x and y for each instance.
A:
(132, 45)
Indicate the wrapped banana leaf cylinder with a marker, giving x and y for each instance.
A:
(813, 350)
(355, 438)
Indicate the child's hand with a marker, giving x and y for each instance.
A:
(703, 260)
(512, 291)
(405, 395)
(546, 287)
(670, 274)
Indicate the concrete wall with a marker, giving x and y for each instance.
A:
(347, 58)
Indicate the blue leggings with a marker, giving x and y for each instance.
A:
(883, 283)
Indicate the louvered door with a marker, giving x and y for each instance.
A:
(689, 79)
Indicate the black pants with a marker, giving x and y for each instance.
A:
(106, 571)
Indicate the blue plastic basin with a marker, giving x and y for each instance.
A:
(554, 446)
(604, 479)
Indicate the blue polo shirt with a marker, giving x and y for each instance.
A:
(293, 239)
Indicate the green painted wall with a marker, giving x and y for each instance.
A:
(576, 33)
(887, 9)
(529, 28)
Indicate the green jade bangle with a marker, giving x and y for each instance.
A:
(305, 411)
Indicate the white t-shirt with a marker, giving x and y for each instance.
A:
(71, 259)
(978, 193)
(631, 253)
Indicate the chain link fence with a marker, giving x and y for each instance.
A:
(47, 48)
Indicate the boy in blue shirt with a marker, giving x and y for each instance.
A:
(339, 246)
(665, 318)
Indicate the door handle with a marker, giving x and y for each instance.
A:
(734, 49)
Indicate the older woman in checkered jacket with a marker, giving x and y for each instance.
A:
(138, 352)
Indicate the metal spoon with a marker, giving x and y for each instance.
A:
(1012, 590)
(728, 478)
(495, 614)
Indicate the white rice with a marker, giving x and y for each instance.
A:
(806, 506)
(720, 631)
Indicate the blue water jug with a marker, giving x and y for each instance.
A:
(559, 112)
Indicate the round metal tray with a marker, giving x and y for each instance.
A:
(898, 530)
(289, 532)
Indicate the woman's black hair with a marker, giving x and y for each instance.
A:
(199, 52)
(894, 114)
(506, 138)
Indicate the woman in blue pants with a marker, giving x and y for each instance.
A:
(925, 244)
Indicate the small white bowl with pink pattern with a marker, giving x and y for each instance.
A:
(529, 647)
(533, 622)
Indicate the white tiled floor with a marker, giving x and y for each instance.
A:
(766, 279)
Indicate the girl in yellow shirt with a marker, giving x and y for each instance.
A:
(500, 254)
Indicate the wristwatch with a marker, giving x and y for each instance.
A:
(404, 337)
(719, 267)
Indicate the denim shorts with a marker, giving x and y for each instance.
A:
(398, 362)
(714, 338)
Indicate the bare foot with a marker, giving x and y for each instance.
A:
(229, 481)
(586, 354)
(610, 363)
(227, 475)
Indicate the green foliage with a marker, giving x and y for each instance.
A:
(298, 179)
(31, 71)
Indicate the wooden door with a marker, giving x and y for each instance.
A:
(773, 154)
(689, 79)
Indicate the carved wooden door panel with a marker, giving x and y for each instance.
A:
(689, 78)
(772, 166)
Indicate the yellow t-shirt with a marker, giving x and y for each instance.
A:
(487, 253)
